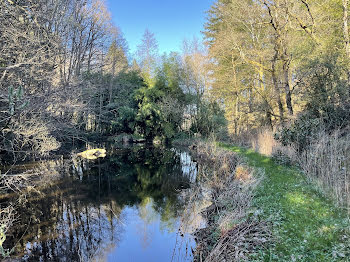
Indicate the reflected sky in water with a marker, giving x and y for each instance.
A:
(126, 207)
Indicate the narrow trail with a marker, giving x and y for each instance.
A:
(306, 225)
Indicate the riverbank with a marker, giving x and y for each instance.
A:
(305, 225)
(234, 229)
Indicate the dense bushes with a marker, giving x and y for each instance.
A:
(210, 119)
(327, 104)
(160, 108)
(300, 133)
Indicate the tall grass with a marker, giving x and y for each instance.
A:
(325, 162)
(264, 142)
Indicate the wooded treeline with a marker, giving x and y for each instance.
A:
(66, 75)
(282, 71)
(275, 59)
(46, 48)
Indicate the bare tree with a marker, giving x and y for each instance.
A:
(147, 54)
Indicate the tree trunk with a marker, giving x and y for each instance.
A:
(277, 88)
(286, 69)
(346, 36)
(268, 119)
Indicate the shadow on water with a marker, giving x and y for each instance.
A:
(125, 207)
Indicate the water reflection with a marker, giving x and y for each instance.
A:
(126, 207)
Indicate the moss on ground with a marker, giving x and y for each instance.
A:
(306, 226)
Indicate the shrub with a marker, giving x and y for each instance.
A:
(281, 158)
(210, 119)
(327, 104)
(300, 133)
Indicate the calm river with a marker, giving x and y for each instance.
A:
(129, 206)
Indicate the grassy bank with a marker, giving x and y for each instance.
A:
(306, 226)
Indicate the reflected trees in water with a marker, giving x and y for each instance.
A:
(80, 215)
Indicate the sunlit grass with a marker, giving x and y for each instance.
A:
(306, 226)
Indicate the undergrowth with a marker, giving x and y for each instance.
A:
(234, 228)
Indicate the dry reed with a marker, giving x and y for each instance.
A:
(327, 163)
(232, 186)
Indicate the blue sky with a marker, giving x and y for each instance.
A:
(170, 20)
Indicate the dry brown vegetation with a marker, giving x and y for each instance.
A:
(233, 230)
(325, 161)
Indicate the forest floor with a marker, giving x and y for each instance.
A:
(306, 226)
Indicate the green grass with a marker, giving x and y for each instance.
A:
(306, 226)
